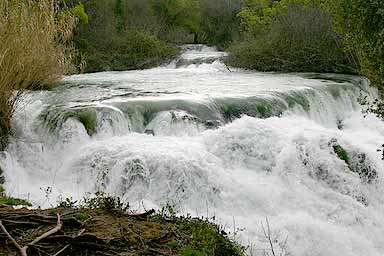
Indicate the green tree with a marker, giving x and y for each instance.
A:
(178, 13)
(361, 22)
(289, 36)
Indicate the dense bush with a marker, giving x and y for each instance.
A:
(34, 51)
(107, 39)
(290, 35)
(361, 22)
(132, 50)
(120, 35)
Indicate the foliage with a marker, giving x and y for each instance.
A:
(117, 38)
(290, 35)
(79, 12)
(341, 153)
(13, 201)
(173, 13)
(34, 51)
(207, 238)
(133, 50)
(105, 202)
(219, 22)
(361, 22)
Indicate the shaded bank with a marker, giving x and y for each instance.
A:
(104, 231)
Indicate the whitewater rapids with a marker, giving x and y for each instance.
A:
(213, 141)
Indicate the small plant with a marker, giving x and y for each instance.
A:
(82, 216)
(208, 238)
(277, 246)
(67, 203)
(168, 211)
(105, 202)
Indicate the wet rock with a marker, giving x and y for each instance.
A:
(2, 178)
(360, 164)
(212, 124)
(149, 132)
(357, 162)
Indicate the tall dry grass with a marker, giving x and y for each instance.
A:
(35, 51)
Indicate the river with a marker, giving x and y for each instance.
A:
(212, 141)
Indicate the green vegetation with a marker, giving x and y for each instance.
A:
(35, 52)
(341, 153)
(103, 225)
(14, 201)
(112, 37)
(10, 201)
(137, 34)
(289, 36)
(342, 36)
(361, 23)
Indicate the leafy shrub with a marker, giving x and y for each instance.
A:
(131, 50)
(290, 36)
(361, 22)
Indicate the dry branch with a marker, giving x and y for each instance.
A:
(23, 250)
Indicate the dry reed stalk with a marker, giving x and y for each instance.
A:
(35, 51)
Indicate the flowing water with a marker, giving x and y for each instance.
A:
(213, 141)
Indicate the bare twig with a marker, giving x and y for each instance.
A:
(65, 247)
(268, 236)
(52, 231)
(9, 236)
(23, 250)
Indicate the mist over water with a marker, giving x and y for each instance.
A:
(214, 141)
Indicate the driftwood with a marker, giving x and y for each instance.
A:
(23, 250)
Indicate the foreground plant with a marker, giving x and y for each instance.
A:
(35, 51)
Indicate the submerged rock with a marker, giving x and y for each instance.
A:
(357, 162)
(361, 164)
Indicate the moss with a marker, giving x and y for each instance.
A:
(56, 117)
(207, 238)
(173, 244)
(264, 111)
(82, 216)
(335, 91)
(191, 252)
(14, 201)
(341, 153)
(89, 121)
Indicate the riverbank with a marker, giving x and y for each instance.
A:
(105, 227)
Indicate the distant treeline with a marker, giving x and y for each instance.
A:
(343, 36)
(132, 34)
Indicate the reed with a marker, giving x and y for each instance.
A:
(35, 51)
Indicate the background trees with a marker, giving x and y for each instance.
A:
(289, 35)
(361, 22)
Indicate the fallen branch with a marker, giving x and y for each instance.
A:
(65, 247)
(23, 250)
(10, 237)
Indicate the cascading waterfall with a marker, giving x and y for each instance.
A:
(213, 141)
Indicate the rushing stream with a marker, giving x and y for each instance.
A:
(213, 141)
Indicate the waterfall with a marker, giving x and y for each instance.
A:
(214, 141)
